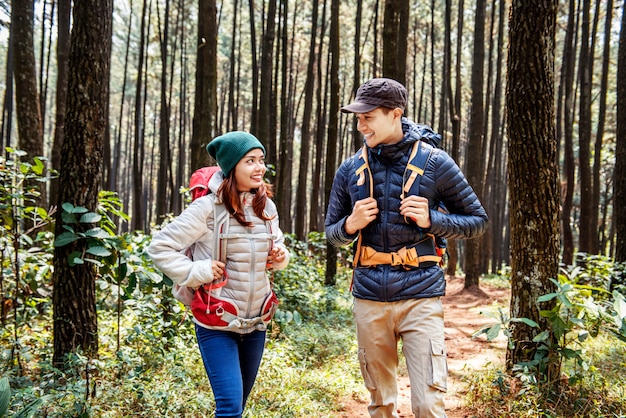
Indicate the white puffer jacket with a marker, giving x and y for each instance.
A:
(247, 249)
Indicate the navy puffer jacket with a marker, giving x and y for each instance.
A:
(442, 182)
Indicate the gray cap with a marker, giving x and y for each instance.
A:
(378, 92)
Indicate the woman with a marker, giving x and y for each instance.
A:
(233, 299)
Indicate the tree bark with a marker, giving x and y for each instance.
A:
(285, 162)
(75, 316)
(475, 161)
(25, 76)
(333, 130)
(205, 103)
(619, 184)
(395, 39)
(587, 225)
(533, 171)
(29, 125)
(303, 171)
(265, 99)
(600, 235)
(569, 172)
(63, 47)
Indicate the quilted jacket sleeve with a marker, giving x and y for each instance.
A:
(465, 217)
(339, 207)
(168, 246)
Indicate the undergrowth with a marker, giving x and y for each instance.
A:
(589, 322)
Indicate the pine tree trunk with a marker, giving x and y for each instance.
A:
(619, 185)
(474, 163)
(205, 103)
(534, 197)
(75, 316)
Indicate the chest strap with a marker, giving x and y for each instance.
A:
(423, 252)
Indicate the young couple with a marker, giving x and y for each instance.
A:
(396, 297)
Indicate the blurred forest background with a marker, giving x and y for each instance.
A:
(185, 71)
(107, 109)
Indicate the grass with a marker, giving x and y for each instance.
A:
(306, 370)
(596, 391)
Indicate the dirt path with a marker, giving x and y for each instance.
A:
(465, 355)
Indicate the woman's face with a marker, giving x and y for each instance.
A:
(250, 170)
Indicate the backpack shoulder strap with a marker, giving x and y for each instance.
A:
(364, 175)
(220, 230)
(414, 170)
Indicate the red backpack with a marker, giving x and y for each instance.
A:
(199, 181)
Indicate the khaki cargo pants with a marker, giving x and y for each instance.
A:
(419, 324)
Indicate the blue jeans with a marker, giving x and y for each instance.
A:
(231, 361)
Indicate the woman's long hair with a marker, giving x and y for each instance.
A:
(230, 197)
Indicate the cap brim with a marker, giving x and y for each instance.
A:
(358, 107)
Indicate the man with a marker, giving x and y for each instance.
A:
(398, 281)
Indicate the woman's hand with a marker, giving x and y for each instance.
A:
(218, 269)
(277, 254)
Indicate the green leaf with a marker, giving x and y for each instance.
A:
(76, 261)
(526, 321)
(69, 218)
(5, 395)
(97, 233)
(98, 251)
(39, 166)
(541, 337)
(90, 218)
(583, 336)
(493, 332)
(545, 298)
(76, 257)
(65, 238)
(68, 207)
(30, 409)
(619, 305)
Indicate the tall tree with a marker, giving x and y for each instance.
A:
(597, 150)
(333, 136)
(565, 117)
(205, 103)
(497, 167)
(395, 39)
(164, 177)
(619, 183)
(254, 108)
(63, 48)
(533, 170)
(29, 127)
(73, 297)
(456, 117)
(265, 100)
(139, 213)
(303, 170)
(356, 70)
(283, 180)
(475, 162)
(587, 225)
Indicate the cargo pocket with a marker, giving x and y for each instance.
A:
(367, 379)
(438, 378)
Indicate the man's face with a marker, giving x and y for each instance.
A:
(380, 127)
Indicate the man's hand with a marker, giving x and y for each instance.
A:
(416, 208)
(363, 213)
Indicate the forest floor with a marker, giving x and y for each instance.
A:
(462, 317)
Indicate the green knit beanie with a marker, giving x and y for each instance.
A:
(231, 147)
